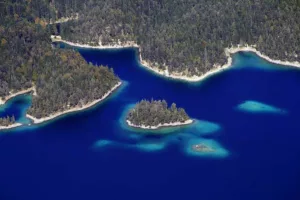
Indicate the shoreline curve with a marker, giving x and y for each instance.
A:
(75, 109)
(165, 125)
(55, 115)
(178, 76)
(15, 125)
(12, 95)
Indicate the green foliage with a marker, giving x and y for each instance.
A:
(189, 36)
(7, 121)
(156, 112)
(62, 77)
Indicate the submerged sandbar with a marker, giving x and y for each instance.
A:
(204, 148)
(258, 107)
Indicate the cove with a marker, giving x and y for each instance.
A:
(17, 106)
(61, 160)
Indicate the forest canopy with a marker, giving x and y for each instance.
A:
(187, 36)
(62, 78)
(156, 112)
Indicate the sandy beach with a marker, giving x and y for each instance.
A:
(16, 94)
(160, 125)
(10, 126)
(38, 121)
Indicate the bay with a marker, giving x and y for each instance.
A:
(93, 155)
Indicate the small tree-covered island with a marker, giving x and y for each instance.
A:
(155, 114)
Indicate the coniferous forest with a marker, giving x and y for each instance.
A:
(155, 112)
(187, 36)
(62, 78)
(6, 121)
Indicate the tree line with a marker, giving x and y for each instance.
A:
(187, 36)
(155, 112)
(62, 78)
(6, 121)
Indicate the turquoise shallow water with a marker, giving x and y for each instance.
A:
(94, 155)
(257, 107)
(16, 107)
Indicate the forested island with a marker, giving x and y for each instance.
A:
(61, 79)
(186, 37)
(155, 114)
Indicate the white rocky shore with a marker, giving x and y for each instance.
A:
(177, 75)
(10, 126)
(116, 45)
(216, 68)
(74, 109)
(160, 125)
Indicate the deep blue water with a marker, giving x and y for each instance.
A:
(59, 159)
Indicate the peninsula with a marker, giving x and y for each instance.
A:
(155, 114)
(8, 122)
(187, 40)
(74, 108)
(60, 79)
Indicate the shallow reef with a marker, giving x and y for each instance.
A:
(157, 140)
(142, 145)
(104, 143)
(212, 148)
(150, 146)
(258, 107)
(241, 60)
(202, 127)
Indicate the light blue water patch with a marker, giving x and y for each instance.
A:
(240, 58)
(105, 144)
(17, 106)
(150, 146)
(216, 150)
(147, 146)
(202, 127)
(258, 107)
(198, 127)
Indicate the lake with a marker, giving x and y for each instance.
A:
(250, 112)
